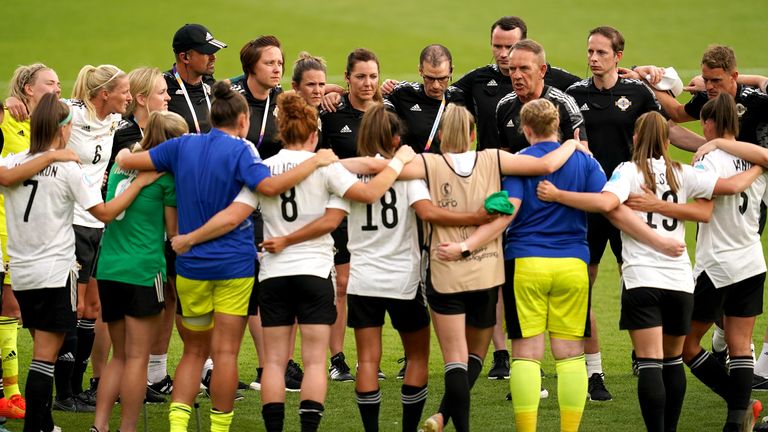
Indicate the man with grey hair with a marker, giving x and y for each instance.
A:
(527, 67)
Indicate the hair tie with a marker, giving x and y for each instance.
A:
(66, 120)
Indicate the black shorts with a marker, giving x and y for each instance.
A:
(406, 315)
(340, 240)
(287, 299)
(119, 299)
(599, 232)
(253, 301)
(741, 299)
(170, 261)
(87, 242)
(479, 306)
(179, 311)
(49, 309)
(643, 308)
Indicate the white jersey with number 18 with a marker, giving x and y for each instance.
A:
(39, 211)
(383, 243)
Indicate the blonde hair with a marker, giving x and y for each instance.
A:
(142, 82)
(306, 62)
(541, 116)
(92, 79)
(162, 126)
(652, 133)
(23, 76)
(456, 126)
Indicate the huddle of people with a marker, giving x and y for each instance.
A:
(235, 203)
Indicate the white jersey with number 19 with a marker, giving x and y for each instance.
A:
(728, 248)
(39, 211)
(91, 139)
(643, 266)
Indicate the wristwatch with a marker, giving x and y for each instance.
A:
(465, 252)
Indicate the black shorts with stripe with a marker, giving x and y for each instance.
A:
(49, 309)
(305, 299)
(479, 307)
(741, 299)
(643, 308)
(119, 299)
(406, 315)
(87, 242)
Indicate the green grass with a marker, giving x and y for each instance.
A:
(67, 35)
(703, 411)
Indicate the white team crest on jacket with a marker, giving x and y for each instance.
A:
(623, 103)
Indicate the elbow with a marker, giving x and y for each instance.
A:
(362, 195)
(550, 168)
(605, 208)
(425, 215)
(231, 223)
(369, 198)
(106, 218)
(267, 188)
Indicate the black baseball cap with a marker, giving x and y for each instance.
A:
(196, 37)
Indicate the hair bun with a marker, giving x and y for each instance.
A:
(222, 90)
(292, 106)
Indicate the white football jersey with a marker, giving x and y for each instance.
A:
(39, 212)
(643, 266)
(92, 141)
(728, 248)
(383, 243)
(297, 207)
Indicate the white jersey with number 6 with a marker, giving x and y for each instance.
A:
(643, 266)
(383, 243)
(91, 139)
(297, 207)
(728, 248)
(41, 241)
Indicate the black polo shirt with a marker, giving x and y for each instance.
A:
(271, 144)
(752, 106)
(485, 86)
(340, 129)
(127, 134)
(418, 112)
(610, 116)
(508, 119)
(178, 104)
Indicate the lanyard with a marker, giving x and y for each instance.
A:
(264, 121)
(141, 131)
(189, 102)
(435, 124)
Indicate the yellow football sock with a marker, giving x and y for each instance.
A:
(571, 391)
(9, 330)
(178, 416)
(220, 421)
(525, 387)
